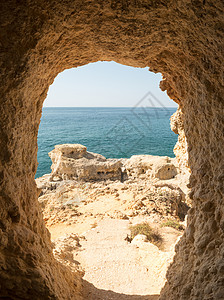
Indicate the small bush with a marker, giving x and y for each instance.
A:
(151, 234)
(173, 223)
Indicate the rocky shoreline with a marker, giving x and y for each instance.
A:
(73, 161)
(87, 191)
(150, 184)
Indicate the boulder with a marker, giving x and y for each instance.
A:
(73, 161)
(149, 166)
(139, 238)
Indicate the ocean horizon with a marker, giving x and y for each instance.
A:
(114, 132)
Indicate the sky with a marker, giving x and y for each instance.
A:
(107, 84)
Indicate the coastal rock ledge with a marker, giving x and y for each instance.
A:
(74, 162)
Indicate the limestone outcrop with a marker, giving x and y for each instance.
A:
(149, 166)
(74, 162)
(73, 166)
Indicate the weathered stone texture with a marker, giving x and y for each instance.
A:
(150, 167)
(73, 161)
(181, 152)
(181, 39)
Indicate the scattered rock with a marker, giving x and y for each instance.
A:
(140, 238)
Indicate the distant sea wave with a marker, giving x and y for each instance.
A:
(115, 132)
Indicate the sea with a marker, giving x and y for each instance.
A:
(114, 132)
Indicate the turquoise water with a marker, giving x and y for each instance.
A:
(112, 132)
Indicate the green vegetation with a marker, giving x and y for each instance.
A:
(172, 223)
(151, 234)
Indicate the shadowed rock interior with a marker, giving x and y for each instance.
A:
(181, 39)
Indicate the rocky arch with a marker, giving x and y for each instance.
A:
(181, 39)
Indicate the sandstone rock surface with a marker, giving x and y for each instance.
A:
(181, 39)
(149, 166)
(72, 161)
(181, 152)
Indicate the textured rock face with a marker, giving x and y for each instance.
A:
(181, 39)
(64, 251)
(149, 166)
(180, 150)
(72, 161)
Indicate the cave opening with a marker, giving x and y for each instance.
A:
(142, 110)
(134, 188)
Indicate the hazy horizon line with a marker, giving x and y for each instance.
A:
(109, 106)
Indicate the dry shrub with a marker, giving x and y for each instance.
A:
(151, 234)
(172, 223)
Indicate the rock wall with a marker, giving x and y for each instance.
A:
(181, 152)
(181, 39)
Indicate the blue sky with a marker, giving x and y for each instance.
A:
(105, 84)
